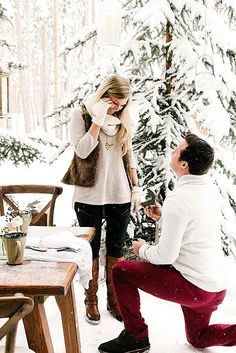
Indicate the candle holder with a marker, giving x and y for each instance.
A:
(26, 219)
(109, 23)
(203, 76)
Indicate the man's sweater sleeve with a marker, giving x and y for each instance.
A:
(174, 223)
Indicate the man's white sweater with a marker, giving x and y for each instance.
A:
(190, 233)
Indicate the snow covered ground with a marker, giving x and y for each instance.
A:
(165, 322)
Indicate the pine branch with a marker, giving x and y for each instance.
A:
(81, 41)
(15, 150)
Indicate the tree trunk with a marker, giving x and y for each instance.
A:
(168, 58)
(44, 73)
(24, 89)
(56, 61)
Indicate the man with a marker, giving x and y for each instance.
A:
(186, 266)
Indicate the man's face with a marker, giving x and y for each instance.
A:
(179, 167)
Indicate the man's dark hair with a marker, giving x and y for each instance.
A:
(198, 154)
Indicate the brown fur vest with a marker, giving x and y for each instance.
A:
(82, 172)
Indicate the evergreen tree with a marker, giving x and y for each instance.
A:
(17, 151)
(26, 149)
(180, 57)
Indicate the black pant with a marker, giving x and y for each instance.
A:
(117, 220)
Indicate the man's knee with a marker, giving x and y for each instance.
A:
(196, 341)
(197, 344)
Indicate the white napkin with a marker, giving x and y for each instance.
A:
(82, 257)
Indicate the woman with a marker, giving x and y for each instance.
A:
(103, 171)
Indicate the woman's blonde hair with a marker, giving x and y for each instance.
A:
(119, 87)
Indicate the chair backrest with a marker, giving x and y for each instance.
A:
(44, 217)
(14, 308)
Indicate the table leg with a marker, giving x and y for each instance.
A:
(37, 330)
(70, 324)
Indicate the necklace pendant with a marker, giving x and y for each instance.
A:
(108, 146)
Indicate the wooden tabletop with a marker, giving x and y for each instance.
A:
(36, 277)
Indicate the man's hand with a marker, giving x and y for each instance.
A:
(137, 245)
(153, 211)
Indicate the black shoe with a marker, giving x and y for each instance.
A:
(125, 343)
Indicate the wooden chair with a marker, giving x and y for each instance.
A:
(44, 217)
(14, 308)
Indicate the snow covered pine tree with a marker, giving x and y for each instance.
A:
(180, 56)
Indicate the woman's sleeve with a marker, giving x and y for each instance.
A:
(82, 142)
(133, 163)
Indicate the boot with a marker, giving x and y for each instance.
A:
(112, 305)
(125, 343)
(91, 300)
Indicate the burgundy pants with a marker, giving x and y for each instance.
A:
(166, 283)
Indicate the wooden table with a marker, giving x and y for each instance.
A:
(39, 280)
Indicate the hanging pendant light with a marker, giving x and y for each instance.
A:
(109, 23)
(204, 68)
(204, 78)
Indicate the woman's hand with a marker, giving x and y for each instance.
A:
(153, 211)
(100, 109)
(106, 100)
(135, 198)
(137, 245)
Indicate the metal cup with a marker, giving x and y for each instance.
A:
(14, 244)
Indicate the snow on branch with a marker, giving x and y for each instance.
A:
(18, 150)
(3, 14)
(59, 152)
(15, 65)
(26, 148)
(4, 43)
(83, 38)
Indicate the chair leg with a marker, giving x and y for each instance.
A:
(9, 328)
(11, 340)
